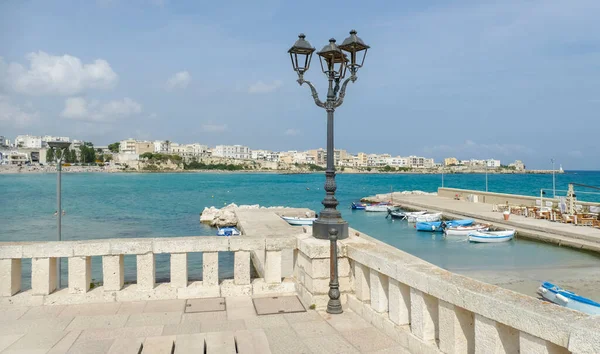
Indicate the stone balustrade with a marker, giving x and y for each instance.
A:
(44, 259)
(425, 308)
(431, 310)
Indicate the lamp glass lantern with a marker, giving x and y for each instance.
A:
(333, 60)
(357, 50)
(301, 54)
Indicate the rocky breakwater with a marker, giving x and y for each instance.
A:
(226, 215)
(387, 197)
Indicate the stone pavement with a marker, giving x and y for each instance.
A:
(576, 236)
(118, 326)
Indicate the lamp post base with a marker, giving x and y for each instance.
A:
(321, 228)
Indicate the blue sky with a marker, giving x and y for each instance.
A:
(481, 79)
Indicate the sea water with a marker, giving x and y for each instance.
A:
(100, 205)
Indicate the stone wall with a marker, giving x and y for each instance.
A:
(497, 198)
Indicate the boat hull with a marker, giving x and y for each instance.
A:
(358, 206)
(429, 226)
(464, 230)
(299, 221)
(491, 237)
(433, 226)
(377, 208)
(568, 299)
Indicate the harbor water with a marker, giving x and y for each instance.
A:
(168, 205)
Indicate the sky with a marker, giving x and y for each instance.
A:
(470, 79)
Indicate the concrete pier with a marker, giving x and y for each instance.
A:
(579, 237)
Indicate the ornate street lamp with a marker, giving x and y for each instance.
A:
(61, 146)
(334, 63)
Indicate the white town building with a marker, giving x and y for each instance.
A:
(161, 146)
(127, 146)
(491, 163)
(28, 141)
(232, 151)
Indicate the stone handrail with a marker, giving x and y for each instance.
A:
(44, 256)
(429, 309)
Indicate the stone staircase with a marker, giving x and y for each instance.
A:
(242, 342)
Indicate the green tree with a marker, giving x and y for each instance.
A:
(87, 153)
(50, 155)
(147, 155)
(114, 147)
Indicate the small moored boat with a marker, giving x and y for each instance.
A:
(228, 231)
(441, 225)
(292, 220)
(358, 206)
(428, 217)
(379, 207)
(464, 230)
(568, 299)
(397, 214)
(491, 236)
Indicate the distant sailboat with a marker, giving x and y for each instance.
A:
(560, 169)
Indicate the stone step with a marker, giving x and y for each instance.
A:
(239, 342)
(158, 345)
(126, 346)
(252, 342)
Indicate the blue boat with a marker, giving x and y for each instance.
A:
(228, 231)
(568, 299)
(439, 226)
(358, 206)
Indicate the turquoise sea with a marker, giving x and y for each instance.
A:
(100, 205)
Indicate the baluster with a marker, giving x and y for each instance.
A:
(146, 271)
(273, 267)
(10, 276)
(179, 270)
(113, 271)
(241, 268)
(80, 274)
(43, 275)
(210, 268)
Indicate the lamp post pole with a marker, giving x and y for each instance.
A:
(553, 180)
(334, 63)
(59, 209)
(442, 177)
(59, 146)
(486, 177)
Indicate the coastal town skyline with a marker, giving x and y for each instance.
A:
(133, 149)
(458, 79)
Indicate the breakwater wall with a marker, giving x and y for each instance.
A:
(498, 198)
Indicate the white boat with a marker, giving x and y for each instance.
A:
(429, 217)
(568, 299)
(397, 214)
(380, 207)
(296, 221)
(228, 231)
(464, 230)
(491, 236)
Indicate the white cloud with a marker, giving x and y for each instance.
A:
(79, 109)
(292, 132)
(179, 80)
(15, 115)
(262, 87)
(57, 75)
(213, 128)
